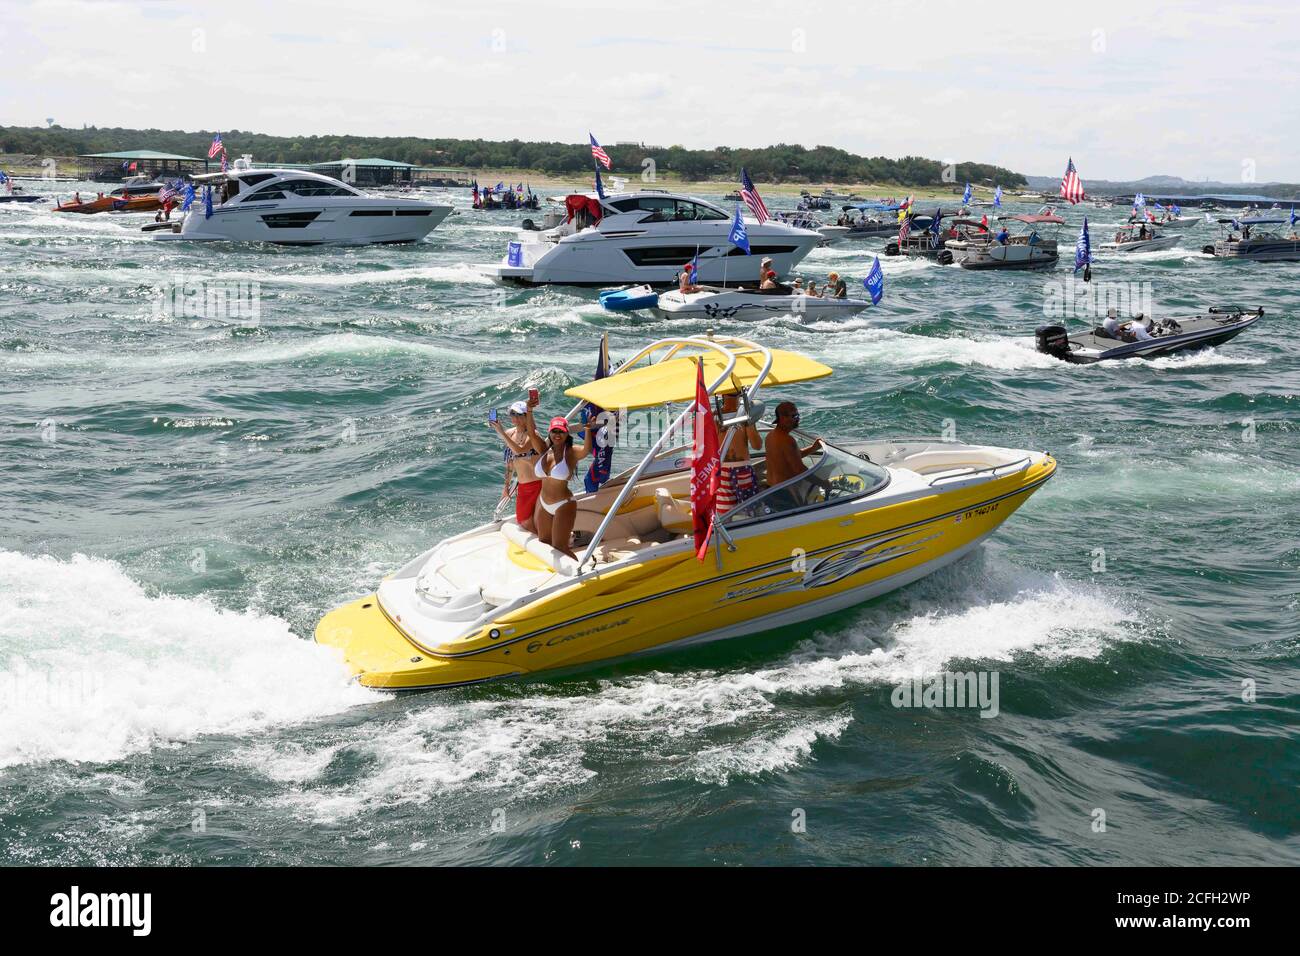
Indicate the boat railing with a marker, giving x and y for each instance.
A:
(727, 346)
(1020, 464)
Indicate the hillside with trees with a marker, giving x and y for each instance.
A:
(780, 163)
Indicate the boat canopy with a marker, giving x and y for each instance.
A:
(1036, 220)
(673, 380)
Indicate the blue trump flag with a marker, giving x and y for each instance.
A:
(600, 189)
(1293, 217)
(965, 197)
(602, 456)
(189, 197)
(935, 228)
(997, 197)
(739, 235)
(875, 282)
(207, 202)
(1083, 248)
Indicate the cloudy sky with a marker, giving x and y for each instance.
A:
(1131, 88)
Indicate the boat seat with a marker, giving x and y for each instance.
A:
(674, 514)
(629, 524)
(553, 558)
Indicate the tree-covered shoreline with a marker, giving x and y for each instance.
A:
(782, 163)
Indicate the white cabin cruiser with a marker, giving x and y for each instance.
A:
(646, 237)
(712, 302)
(1140, 237)
(292, 207)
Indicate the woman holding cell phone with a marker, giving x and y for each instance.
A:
(520, 454)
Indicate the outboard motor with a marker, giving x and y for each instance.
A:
(1053, 340)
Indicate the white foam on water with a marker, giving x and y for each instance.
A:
(94, 669)
(875, 345)
(1203, 358)
(713, 726)
(258, 352)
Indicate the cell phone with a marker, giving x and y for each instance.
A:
(533, 395)
(492, 414)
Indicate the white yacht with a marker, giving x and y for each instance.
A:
(646, 237)
(292, 207)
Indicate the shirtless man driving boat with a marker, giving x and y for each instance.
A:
(784, 456)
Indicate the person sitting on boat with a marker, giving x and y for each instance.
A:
(1135, 331)
(1003, 237)
(556, 507)
(769, 282)
(836, 287)
(1110, 325)
(520, 452)
(737, 481)
(784, 456)
(685, 280)
(811, 290)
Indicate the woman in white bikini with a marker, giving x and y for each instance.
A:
(556, 508)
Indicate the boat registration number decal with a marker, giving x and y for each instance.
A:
(979, 512)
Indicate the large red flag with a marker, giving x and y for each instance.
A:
(706, 467)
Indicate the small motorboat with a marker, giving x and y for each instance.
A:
(629, 300)
(1139, 237)
(714, 302)
(1156, 338)
(863, 518)
(137, 194)
(20, 197)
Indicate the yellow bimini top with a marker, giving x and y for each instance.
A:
(673, 380)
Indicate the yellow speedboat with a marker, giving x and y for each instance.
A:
(864, 519)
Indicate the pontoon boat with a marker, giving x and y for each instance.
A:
(1255, 244)
(1025, 250)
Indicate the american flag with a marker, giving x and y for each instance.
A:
(1071, 186)
(216, 146)
(904, 229)
(752, 199)
(223, 161)
(599, 153)
(166, 193)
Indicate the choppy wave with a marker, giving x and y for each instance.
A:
(97, 669)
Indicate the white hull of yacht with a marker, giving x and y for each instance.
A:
(596, 258)
(354, 222)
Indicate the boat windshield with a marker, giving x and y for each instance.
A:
(833, 476)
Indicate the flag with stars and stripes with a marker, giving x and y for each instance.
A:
(599, 153)
(1071, 185)
(753, 200)
(904, 229)
(216, 147)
